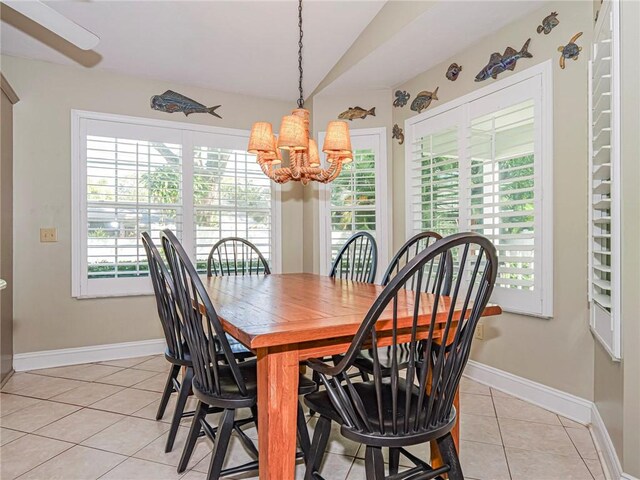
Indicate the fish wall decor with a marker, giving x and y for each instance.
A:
(357, 112)
(172, 102)
(423, 100)
(500, 63)
(398, 133)
(402, 97)
(548, 23)
(570, 50)
(453, 71)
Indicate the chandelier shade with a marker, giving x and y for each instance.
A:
(293, 134)
(261, 139)
(304, 158)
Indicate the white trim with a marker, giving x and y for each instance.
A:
(607, 452)
(383, 204)
(562, 403)
(96, 353)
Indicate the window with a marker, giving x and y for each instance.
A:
(132, 175)
(351, 203)
(604, 182)
(483, 164)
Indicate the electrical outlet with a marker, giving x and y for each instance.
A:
(48, 235)
(479, 334)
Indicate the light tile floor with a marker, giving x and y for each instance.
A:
(97, 421)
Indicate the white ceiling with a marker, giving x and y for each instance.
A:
(248, 47)
(440, 32)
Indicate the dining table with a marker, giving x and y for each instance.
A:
(288, 318)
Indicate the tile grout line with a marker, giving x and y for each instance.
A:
(579, 454)
(504, 450)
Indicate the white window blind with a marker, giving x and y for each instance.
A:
(351, 203)
(479, 166)
(232, 198)
(434, 174)
(604, 245)
(134, 175)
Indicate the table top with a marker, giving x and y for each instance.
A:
(280, 309)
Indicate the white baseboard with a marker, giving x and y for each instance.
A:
(609, 457)
(557, 401)
(96, 353)
(578, 409)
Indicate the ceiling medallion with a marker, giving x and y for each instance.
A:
(294, 137)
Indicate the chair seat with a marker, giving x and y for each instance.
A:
(230, 397)
(364, 360)
(239, 350)
(320, 402)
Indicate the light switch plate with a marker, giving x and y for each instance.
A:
(48, 235)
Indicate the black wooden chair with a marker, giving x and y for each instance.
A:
(399, 411)
(226, 386)
(236, 256)
(357, 260)
(411, 248)
(177, 352)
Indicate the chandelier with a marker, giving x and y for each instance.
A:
(294, 138)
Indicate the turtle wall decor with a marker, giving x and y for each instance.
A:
(548, 23)
(570, 50)
(398, 133)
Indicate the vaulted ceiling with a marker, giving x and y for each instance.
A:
(250, 47)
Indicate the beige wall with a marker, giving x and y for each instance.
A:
(46, 317)
(325, 109)
(617, 384)
(559, 351)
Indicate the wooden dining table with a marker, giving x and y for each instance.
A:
(288, 318)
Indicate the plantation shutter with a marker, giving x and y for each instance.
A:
(231, 196)
(503, 195)
(604, 182)
(434, 173)
(133, 184)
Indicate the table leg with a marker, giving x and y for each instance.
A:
(278, 371)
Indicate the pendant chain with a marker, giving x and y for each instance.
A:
(301, 99)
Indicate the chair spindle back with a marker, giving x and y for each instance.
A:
(236, 256)
(357, 260)
(436, 355)
(200, 324)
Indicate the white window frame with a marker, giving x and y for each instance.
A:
(122, 287)
(543, 183)
(383, 205)
(607, 326)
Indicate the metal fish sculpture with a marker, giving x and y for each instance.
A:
(548, 23)
(500, 63)
(398, 133)
(570, 50)
(453, 71)
(172, 102)
(356, 112)
(402, 97)
(423, 100)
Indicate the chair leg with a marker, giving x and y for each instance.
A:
(194, 433)
(374, 463)
(221, 443)
(168, 390)
(364, 375)
(318, 446)
(303, 434)
(394, 460)
(183, 395)
(449, 454)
